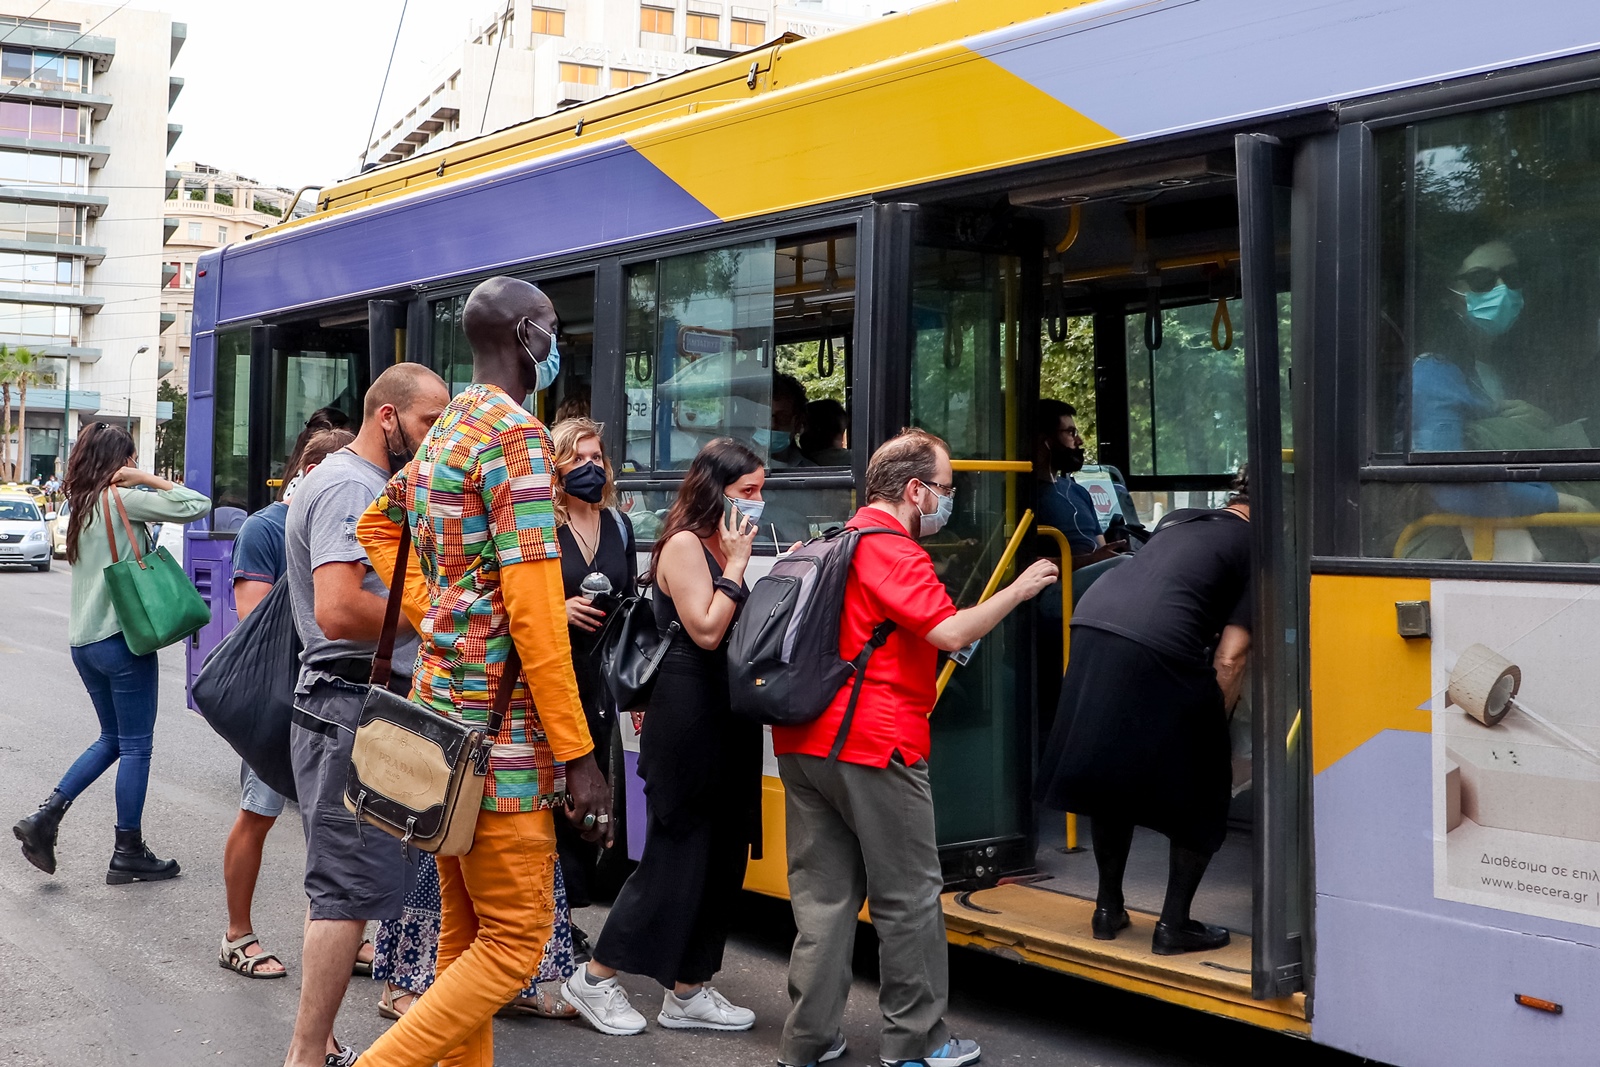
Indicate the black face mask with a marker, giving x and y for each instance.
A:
(1064, 459)
(587, 482)
(398, 458)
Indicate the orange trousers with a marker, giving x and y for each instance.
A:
(499, 907)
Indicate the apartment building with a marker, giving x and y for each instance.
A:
(207, 208)
(532, 57)
(84, 139)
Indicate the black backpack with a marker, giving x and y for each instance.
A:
(784, 667)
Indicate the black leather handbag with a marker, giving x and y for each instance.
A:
(415, 773)
(631, 650)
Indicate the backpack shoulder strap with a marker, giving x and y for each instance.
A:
(858, 666)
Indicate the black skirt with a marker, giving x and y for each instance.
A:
(1140, 737)
(701, 767)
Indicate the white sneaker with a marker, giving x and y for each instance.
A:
(706, 1010)
(604, 1004)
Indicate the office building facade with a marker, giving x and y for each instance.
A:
(84, 139)
(532, 57)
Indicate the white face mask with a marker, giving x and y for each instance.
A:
(750, 509)
(932, 524)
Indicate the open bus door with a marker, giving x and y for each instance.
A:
(1280, 775)
(1174, 278)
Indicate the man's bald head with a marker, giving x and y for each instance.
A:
(400, 387)
(495, 308)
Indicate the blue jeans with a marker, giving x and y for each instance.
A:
(123, 689)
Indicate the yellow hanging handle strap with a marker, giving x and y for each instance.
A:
(1222, 327)
(1000, 569)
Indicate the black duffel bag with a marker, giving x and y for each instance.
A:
(631, 649)
(245, 688)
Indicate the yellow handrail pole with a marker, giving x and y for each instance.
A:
(992, 466)
(1066, 638)
(1483, 546)
(988, 590)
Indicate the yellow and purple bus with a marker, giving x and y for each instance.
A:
(1354, 243)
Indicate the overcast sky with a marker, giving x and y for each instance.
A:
(284, 92)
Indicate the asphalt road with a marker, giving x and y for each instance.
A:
(97, 974)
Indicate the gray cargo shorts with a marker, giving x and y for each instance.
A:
(352, 871)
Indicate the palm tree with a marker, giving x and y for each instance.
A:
(29, 371)
(8, 373)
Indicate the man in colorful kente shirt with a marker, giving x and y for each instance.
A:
(477, 498)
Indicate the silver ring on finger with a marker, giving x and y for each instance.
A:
(589, 821)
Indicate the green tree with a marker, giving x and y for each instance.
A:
(28, 369)
(8, 373)
(1066, 373)
(170, 434)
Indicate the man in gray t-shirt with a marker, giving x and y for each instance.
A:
(351, 877)
(321, 529)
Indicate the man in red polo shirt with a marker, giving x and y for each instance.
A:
(862, 826)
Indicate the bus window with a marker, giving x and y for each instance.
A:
(1488, 292)
(450, 356)
(1185, 396)
(753, 342)
(321, 374)
(230, 455)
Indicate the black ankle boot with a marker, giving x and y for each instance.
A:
(38, 832)
(1172, 939)
(134, 862)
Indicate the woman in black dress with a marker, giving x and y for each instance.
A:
(701, 767)
(1141, 733)
(597, 548)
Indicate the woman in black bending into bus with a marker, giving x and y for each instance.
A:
(1141, 733)
(701, 767)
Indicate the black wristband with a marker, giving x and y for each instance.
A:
(730, 589)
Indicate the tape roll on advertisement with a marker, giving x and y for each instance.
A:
(1483, 684)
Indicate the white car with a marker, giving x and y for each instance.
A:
(24, 533)
(59, 529)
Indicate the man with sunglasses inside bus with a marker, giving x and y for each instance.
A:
(1459, 403)
(861, 825)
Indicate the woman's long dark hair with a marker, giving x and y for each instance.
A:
(698, 507)
(102, 450)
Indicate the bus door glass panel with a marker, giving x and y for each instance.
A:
(1488, 291)
(573, 299)
(449, 355)
(1280, 768)
(230, 433)
(1186, 402)
(737, 342)
(313, 370)
(964, 332)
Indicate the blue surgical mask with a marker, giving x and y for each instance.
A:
(550, 365)
(1496, 311)
(750, 509)
(771, 441)
(932, 524)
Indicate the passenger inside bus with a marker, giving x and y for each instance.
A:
(827, 429)
(1460, 402)
(1063, 503)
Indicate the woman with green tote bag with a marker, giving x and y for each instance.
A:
(122, 686)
